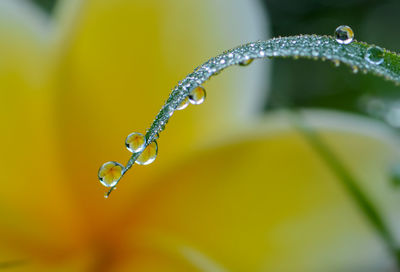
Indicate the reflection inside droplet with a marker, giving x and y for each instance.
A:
(110, 173)
(344, 34)
(135, 142)
(148, 155)
(197, 96)
(374, 55)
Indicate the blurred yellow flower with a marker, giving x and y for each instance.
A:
(231, 190)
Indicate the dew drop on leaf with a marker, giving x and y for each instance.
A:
(110, 173)
(197, 96)
(184, 104)
(246, 62)
(374, 55)
(344, 34)
(135, 142)
(148, 155)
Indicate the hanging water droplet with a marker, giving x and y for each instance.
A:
(148, 155)
(135, 142)
(344, 34)
(246, 62)
(197, 96)
(184, 104)
(354, 69)
(374, 55)
(110, 173)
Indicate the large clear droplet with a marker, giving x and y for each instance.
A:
(197, 96)
(374, 55)
(110, 173)
(148, 155)
(135, 142)
(344, 34)
(246, 62)
(184, 104)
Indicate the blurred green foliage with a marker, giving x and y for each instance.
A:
(307, 83)
(46, 5)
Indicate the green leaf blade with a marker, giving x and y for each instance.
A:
(301, 46)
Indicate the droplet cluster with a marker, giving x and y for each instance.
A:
(144, 150)
(338, 49)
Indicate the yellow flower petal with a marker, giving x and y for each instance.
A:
(270, 204)
(66, 107)
(29, 163)
(123, 61)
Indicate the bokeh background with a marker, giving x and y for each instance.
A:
(235, 187)
(374, 21)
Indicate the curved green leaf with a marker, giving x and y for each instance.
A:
(357, 55)
(302, 46)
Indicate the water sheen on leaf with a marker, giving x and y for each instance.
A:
(301, 46)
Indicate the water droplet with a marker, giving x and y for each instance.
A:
(344, 34)
(197, 96)
(354, 69)
(246, 62)
(374, 55)
(110, 173)
(148, 155)
(135, 142)
(184, 104)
